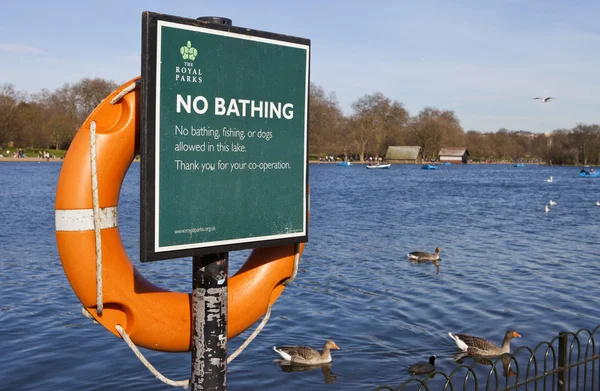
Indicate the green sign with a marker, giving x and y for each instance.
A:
(224, 138)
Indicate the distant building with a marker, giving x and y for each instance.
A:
(454, 155)
(402, 154)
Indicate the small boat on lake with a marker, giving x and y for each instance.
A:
(518, 165)
(344, 164)
(378, 166)
(588, 174)
(446, 164)
(429, 167)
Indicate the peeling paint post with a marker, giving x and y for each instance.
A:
(209, 309)
(209, 322)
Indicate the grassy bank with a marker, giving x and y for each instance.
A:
(32, 152)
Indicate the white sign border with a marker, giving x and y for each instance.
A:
(157, 247)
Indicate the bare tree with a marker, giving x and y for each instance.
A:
(9, 119)
(586, 138)
(326, 121)
(32, 117)
(376, 120)
(433, 128)
(60, 108)
(87, 94)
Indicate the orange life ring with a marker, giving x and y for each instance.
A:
(153, 317)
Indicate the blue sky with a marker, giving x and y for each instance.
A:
(485, 60)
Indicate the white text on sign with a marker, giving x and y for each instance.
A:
(235, 107)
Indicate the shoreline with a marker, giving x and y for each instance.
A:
(29, 159)
(55, 160)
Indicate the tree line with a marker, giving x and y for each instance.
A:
(377, 122)
(49, 119)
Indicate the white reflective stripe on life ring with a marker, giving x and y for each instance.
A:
(83, 219)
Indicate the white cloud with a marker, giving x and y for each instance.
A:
(19, 48)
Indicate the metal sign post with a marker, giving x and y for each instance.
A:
(209, 311)
(209, 322)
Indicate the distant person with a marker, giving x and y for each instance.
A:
(592, 170)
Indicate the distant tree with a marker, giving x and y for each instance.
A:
(32, 119)
(375, 121)
(10, 124)
(586, 138)
(60, 110)
(87, 94)
(561, 150)
(345, 143)
(432, 128)
(326, 120)
(479, 145)
(504, 147)
(540, 144)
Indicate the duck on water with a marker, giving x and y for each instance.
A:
(424, 256)
(306, 356)
(422, 368)
(477, 346)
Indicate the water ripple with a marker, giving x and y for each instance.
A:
(505, 264)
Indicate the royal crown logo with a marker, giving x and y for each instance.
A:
(188, 52)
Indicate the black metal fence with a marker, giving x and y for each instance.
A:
(571, 361)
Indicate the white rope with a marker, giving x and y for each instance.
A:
(251, 337)
(96, 202)
(185, 383)
(140, 356)
(97, 222)
(296, 261)
(87, 314)
(125, 91)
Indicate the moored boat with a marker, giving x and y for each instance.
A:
(429, 167)
(588, 174)
(378, 166)
(345, 164)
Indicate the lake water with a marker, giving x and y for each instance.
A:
(505, 264)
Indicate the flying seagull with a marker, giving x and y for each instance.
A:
(547, 99)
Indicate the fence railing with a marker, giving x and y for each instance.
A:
(569, 362)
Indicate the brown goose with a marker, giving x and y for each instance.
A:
(306, 356)
(424, 256)
(482, 347)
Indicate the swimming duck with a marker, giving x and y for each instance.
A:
(552, 203)
(549, 180)
(422, 368)
(546, 208)
(424, 256)
(482, 347)
(597, 203)
(306, 356)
